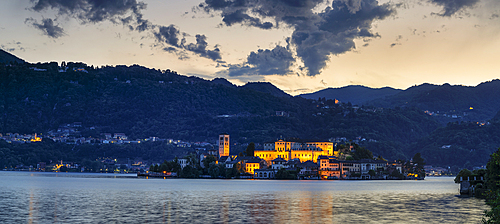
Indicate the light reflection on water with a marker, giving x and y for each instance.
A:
(108, 198)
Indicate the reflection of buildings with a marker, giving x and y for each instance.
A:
(296, 149)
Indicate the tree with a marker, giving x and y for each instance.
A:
(250, 149)
(284, 174)
(395, 173)
(418, 163)
(464, 174)
(493, 185)
(371, 173)
(207, 161)
(362, 153)
(493, 172)
(163, 167)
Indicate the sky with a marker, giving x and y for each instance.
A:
(300, 46)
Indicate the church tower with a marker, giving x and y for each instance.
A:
(223, 145)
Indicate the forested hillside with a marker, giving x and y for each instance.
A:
(6, 57)
(463, 145)
(357, 95)
(478, 103)
(142, 102)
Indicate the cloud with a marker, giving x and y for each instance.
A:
(47, 26)
(168, 34)
(172, 36)
(316, 36)
(200, 48)
(450, 7)
(264, 62)
(240, 17)
(127, 12)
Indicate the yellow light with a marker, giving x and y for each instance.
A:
(471, 108)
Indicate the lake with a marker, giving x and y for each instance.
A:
(31, 197)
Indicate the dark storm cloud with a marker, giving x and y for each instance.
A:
(171, 35)
(316, 36)
(47, 26)
(450, 7)
(265, 62)
(252, 12)
(95, 11)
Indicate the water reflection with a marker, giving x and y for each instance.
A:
(51, 199)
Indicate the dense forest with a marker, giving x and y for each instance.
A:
(142, 102)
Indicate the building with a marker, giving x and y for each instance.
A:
(223, 145)
(252, 165)
(279, 163)
(361, 168)
(183, 162)
(296, 149)
(264, 173)
(329, 167)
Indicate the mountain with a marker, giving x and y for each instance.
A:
(355, 94)
(265, 87)
(6, 57)
(223, 81)
(449, 102)
(142, 102)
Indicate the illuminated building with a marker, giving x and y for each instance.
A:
(329, 167)
(223, 145)
(296, 149)
(36, 139)
(251, 165)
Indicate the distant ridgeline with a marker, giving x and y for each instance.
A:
(142, 102)
(445, 102)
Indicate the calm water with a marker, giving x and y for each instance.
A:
(107, 198)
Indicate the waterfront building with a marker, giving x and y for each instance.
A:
(264, 173)
(252, 165)
(361, 168)
(308, 169)
(329, 167)
(223, 143)
(296, 149)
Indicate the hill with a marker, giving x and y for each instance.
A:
(223, 81)
(142, 102)
(357, 95)
(463, 145)
(6, 57)
(265, 87)
(447, 102)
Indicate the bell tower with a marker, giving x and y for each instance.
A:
(223, 144)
